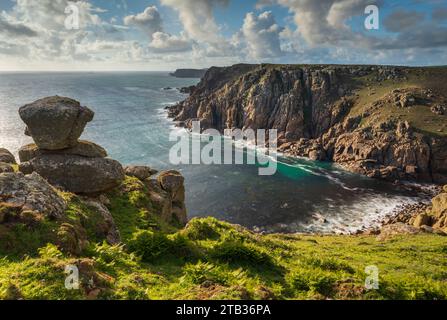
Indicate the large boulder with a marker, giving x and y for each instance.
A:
(75, 173)
(55, 122)
(6, 167)
(6, 156)
(160, 199)
(140, 172)
(82, 148)
(439, 211)
(172, 181)
(396, 229)
(105, 227)
(29, 193)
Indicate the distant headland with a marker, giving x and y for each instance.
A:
(189, 73)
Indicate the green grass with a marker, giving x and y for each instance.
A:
(229, 262)
(419, 116)
(132, 210)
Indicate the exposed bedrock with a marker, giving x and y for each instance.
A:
(315, 110)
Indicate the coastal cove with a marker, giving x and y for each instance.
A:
(131, 124)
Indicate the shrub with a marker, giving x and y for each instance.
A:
(202, 229)
(240, 253)
(330, 264)
(203, 272)
(149, 245)
(50, 251)
(313, 281)
(109, 256)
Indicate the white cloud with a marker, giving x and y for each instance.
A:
(197, 18)
(149, 20)
(14, 29)
(165, 42)
(262, 35)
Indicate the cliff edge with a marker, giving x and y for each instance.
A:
(381, 121)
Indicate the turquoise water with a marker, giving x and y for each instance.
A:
(131, 123)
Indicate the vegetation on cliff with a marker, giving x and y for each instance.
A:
(381, 121)
(210, 259)
(128, 235)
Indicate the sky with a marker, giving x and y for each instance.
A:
(146, 35)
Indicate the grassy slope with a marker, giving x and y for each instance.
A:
(215, 260)
(419, 116)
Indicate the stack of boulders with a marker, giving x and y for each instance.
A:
(55, 124)
(57, 158)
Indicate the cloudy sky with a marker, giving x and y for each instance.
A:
(169, 34)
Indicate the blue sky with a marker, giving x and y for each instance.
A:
(169, 34)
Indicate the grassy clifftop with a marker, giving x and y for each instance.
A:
(418, 82)
(210, 259)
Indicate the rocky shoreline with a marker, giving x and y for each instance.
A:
(311, 108)
(333, 113)
(59, 160)
(133, 241)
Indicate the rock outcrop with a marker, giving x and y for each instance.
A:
(140, 172)
(76, 173)
(33, 204)
(167, 195)
(316, 112)
(82, 148)
(435, 216)
(6, 156)
(188, 73)
(28, 194)
(55, 124)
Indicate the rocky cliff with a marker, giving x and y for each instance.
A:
(381, 121)
(188, 73)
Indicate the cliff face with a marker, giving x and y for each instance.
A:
(384, 122)
(188, 73)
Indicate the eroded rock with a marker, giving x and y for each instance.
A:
(396, 229)
(6, 156)
(6, 167)
(75, 173)
(140, 172)
(82, 148)
(31, 193)
(55, 122)
(106, 226)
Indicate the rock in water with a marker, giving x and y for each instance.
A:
(30, 193)
(82, 148)
(76, 173)
(55, 122)
(6, 156)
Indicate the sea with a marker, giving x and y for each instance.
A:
(132, 125)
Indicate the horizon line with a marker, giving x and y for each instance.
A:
(201, 68)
